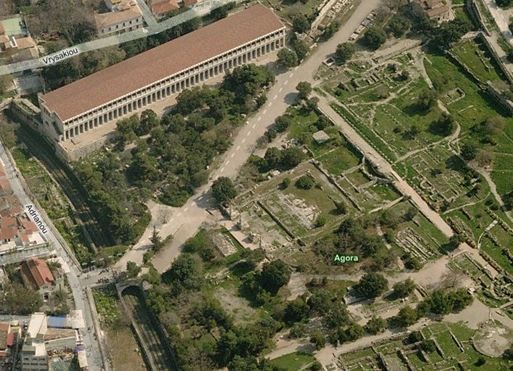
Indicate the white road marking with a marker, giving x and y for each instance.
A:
(291, 74)
(243, 140)
(248, 133)
(253, 126)
(276, 96)
(295, 69)
(232, 155)
(286, 82)
(238, 147)
(222, 169)
(187, 208)
(279, 91)
(265, 111)
(259, 118)
(227, 163)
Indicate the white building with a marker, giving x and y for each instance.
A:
(95, 103)
(51, 336)
(123, 17)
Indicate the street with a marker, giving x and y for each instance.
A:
(153, 28)
(185, 221)
(92, 348)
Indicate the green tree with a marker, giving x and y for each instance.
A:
(318, 339)
(185, 273)
(494, 125)
(371, 285)
(147, 122)
(404, 288)
(291, 157)
(351, 333)
(426, 100)
(444, 126)
(274, 275)
(304, 89)
(374, 37)
(287, 58)
(300, 48)
(273, 158)
(132, 269)
(398, 25)
(344, 52)
(16, 299)
(305, 182)
(283, 122)
(223, 190)
(375, 325)
(407, 316)
(156, 240)
(300, 23)
(469, 151)
(296, 311)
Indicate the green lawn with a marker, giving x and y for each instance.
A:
(293, 361)
(476, 58)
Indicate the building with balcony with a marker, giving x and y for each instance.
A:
(95, 103)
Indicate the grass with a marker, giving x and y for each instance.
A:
(107, 305)
(340, 159)
(376, 141)
(470, 111)
(475, 57)
(293, 361)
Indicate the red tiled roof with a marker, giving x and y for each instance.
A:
(37, 273)
(160, 62)
(10, 339)
(4, 335)
(163, 7)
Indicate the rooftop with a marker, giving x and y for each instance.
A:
(37, 273)
(164, 6)
(105, 20)
(13, 26)
(160, 62)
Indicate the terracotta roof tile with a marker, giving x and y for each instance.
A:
(37, 273)
(161, 62)
(163, 7)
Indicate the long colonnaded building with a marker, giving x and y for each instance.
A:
(78, 118)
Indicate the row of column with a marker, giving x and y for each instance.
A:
(172, 88)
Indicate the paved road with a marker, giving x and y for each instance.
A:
(92, 347)
(185, 221)
(148, 16)
(153, 28)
